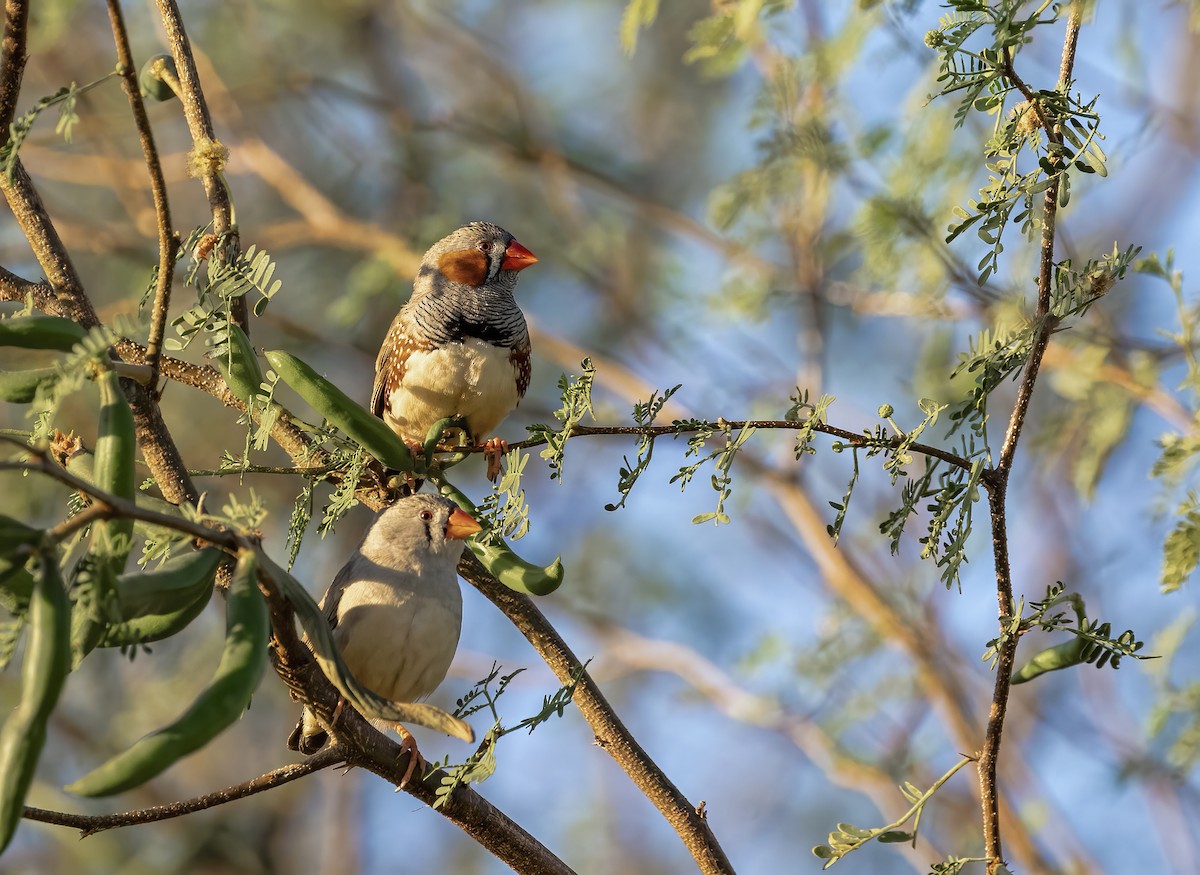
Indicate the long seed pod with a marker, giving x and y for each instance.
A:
(21, 387)
(158, 604)
(176, 584)
(41, 332)
(501, 562)
(1060, 656)
(113, 471)
(238, 364)
(333, 404)
(15, 540)
(214, 710)
(47, 663)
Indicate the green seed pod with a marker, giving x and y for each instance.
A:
(94, 604)
(333, 404)
(239, 365)
(158, 604)
(500, 560)
(15, 590)
(20, 387)
(41, 332)
(15, 541)
(517, 573)
(176, 584)
(1063, 655)
(149, 628)
(113, 469)
(154, 75)
(214, 710)
(47, 663)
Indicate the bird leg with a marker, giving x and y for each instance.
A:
(494, 449)
(418, 452)
(408, 743)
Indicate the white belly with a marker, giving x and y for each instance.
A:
(400, 644)
(474, 380)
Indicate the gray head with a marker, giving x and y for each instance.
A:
(416, 529)
(475, 255)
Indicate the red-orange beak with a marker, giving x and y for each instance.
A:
(517, 257)
(461, 525)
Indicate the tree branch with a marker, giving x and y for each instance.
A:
(168, 243)
(12, 64)
(90, 824)
(611, 734)
(204, 141)
(998, 480)
(857, 439)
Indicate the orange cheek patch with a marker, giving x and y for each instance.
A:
(467, 266)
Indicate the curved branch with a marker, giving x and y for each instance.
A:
(200, 125)
(687, 819)
(168, 243)
(90, 824)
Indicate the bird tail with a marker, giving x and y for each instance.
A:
(308, 737)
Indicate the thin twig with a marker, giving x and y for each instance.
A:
(204, 140)
(857, 439)
(998, 487)
(168, 243)
(90, 514)
(90, 824)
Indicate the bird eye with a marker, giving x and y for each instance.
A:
(485, 246)
(426, 515)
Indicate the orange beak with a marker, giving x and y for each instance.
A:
(517, 257)
(461, 525)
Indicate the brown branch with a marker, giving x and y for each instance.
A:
(857, 439)
(997, 483)
(12, 63)
(611, 734)
(90, 824)
(204, 140)
(168, 243)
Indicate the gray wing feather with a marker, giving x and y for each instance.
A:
(332, 599)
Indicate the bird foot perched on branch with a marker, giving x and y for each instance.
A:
(409, 744)
(494, 450)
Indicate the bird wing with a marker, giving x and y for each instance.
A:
(331, 601)
(519, 356)
(392, 363)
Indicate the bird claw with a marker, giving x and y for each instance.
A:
(408, 743)
(494, 450)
